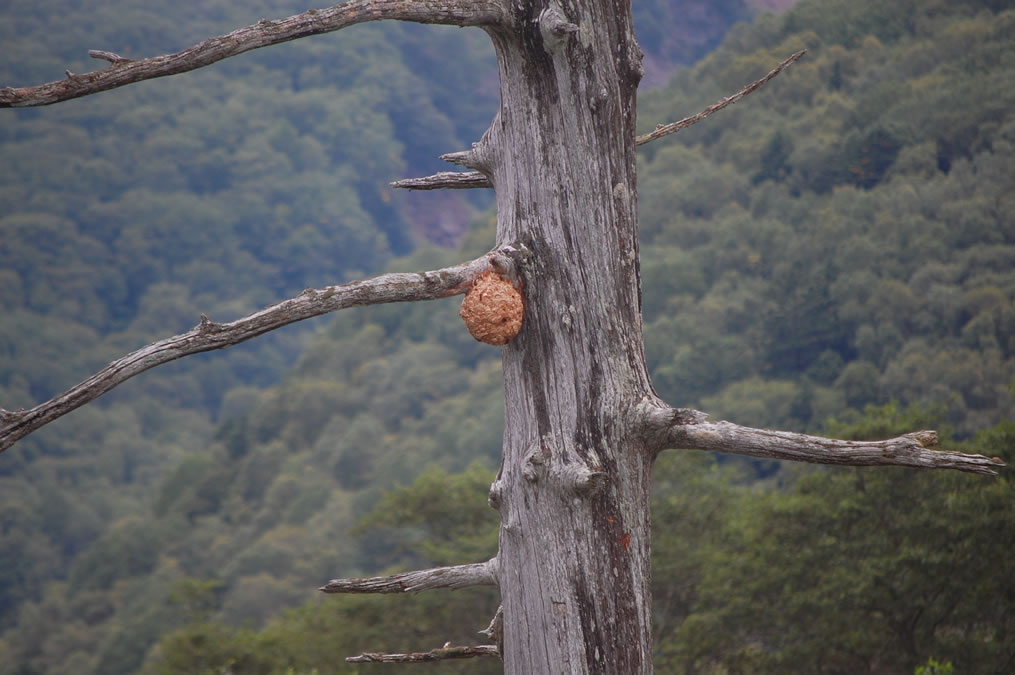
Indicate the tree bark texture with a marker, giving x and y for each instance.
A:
(573, 489)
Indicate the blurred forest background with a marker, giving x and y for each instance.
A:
(834, 255)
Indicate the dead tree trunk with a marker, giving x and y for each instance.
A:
(582, 422)
(573, 490)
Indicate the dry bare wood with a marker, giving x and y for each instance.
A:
(458, 576)
(209, 335)
(442, 654)
(673, 127)
(670, 428)
(459, 180)
(264, 33)
(445, 180)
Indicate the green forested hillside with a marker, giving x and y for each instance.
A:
(125, 216)
(846, 237)
(836, 253)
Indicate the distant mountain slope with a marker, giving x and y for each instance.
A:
(844, 238)
(838, 246)
(125, 216)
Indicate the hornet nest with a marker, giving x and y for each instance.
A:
(492, 309)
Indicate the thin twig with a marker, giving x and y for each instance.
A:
(666, 129)
(474, 179)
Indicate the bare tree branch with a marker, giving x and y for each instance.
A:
(668, 428)
(475, 179)
(453, 180)
(666, 129)
(459, 576)
(262, 34)
(424, 657)
(208, 335)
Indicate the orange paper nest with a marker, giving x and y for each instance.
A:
(492, 309)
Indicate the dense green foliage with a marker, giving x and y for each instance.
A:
(126, 215)
(843, 571)
(841, 241)
(840, 571)
(846, 237)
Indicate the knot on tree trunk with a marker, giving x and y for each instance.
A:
(536, 460)
(555, 27)
(568, 471)
(581, 480)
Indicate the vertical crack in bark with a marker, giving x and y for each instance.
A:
(590, 623)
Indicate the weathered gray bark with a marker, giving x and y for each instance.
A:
(574, 548)
(582, 423)
(459, 576)
(443, 654)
